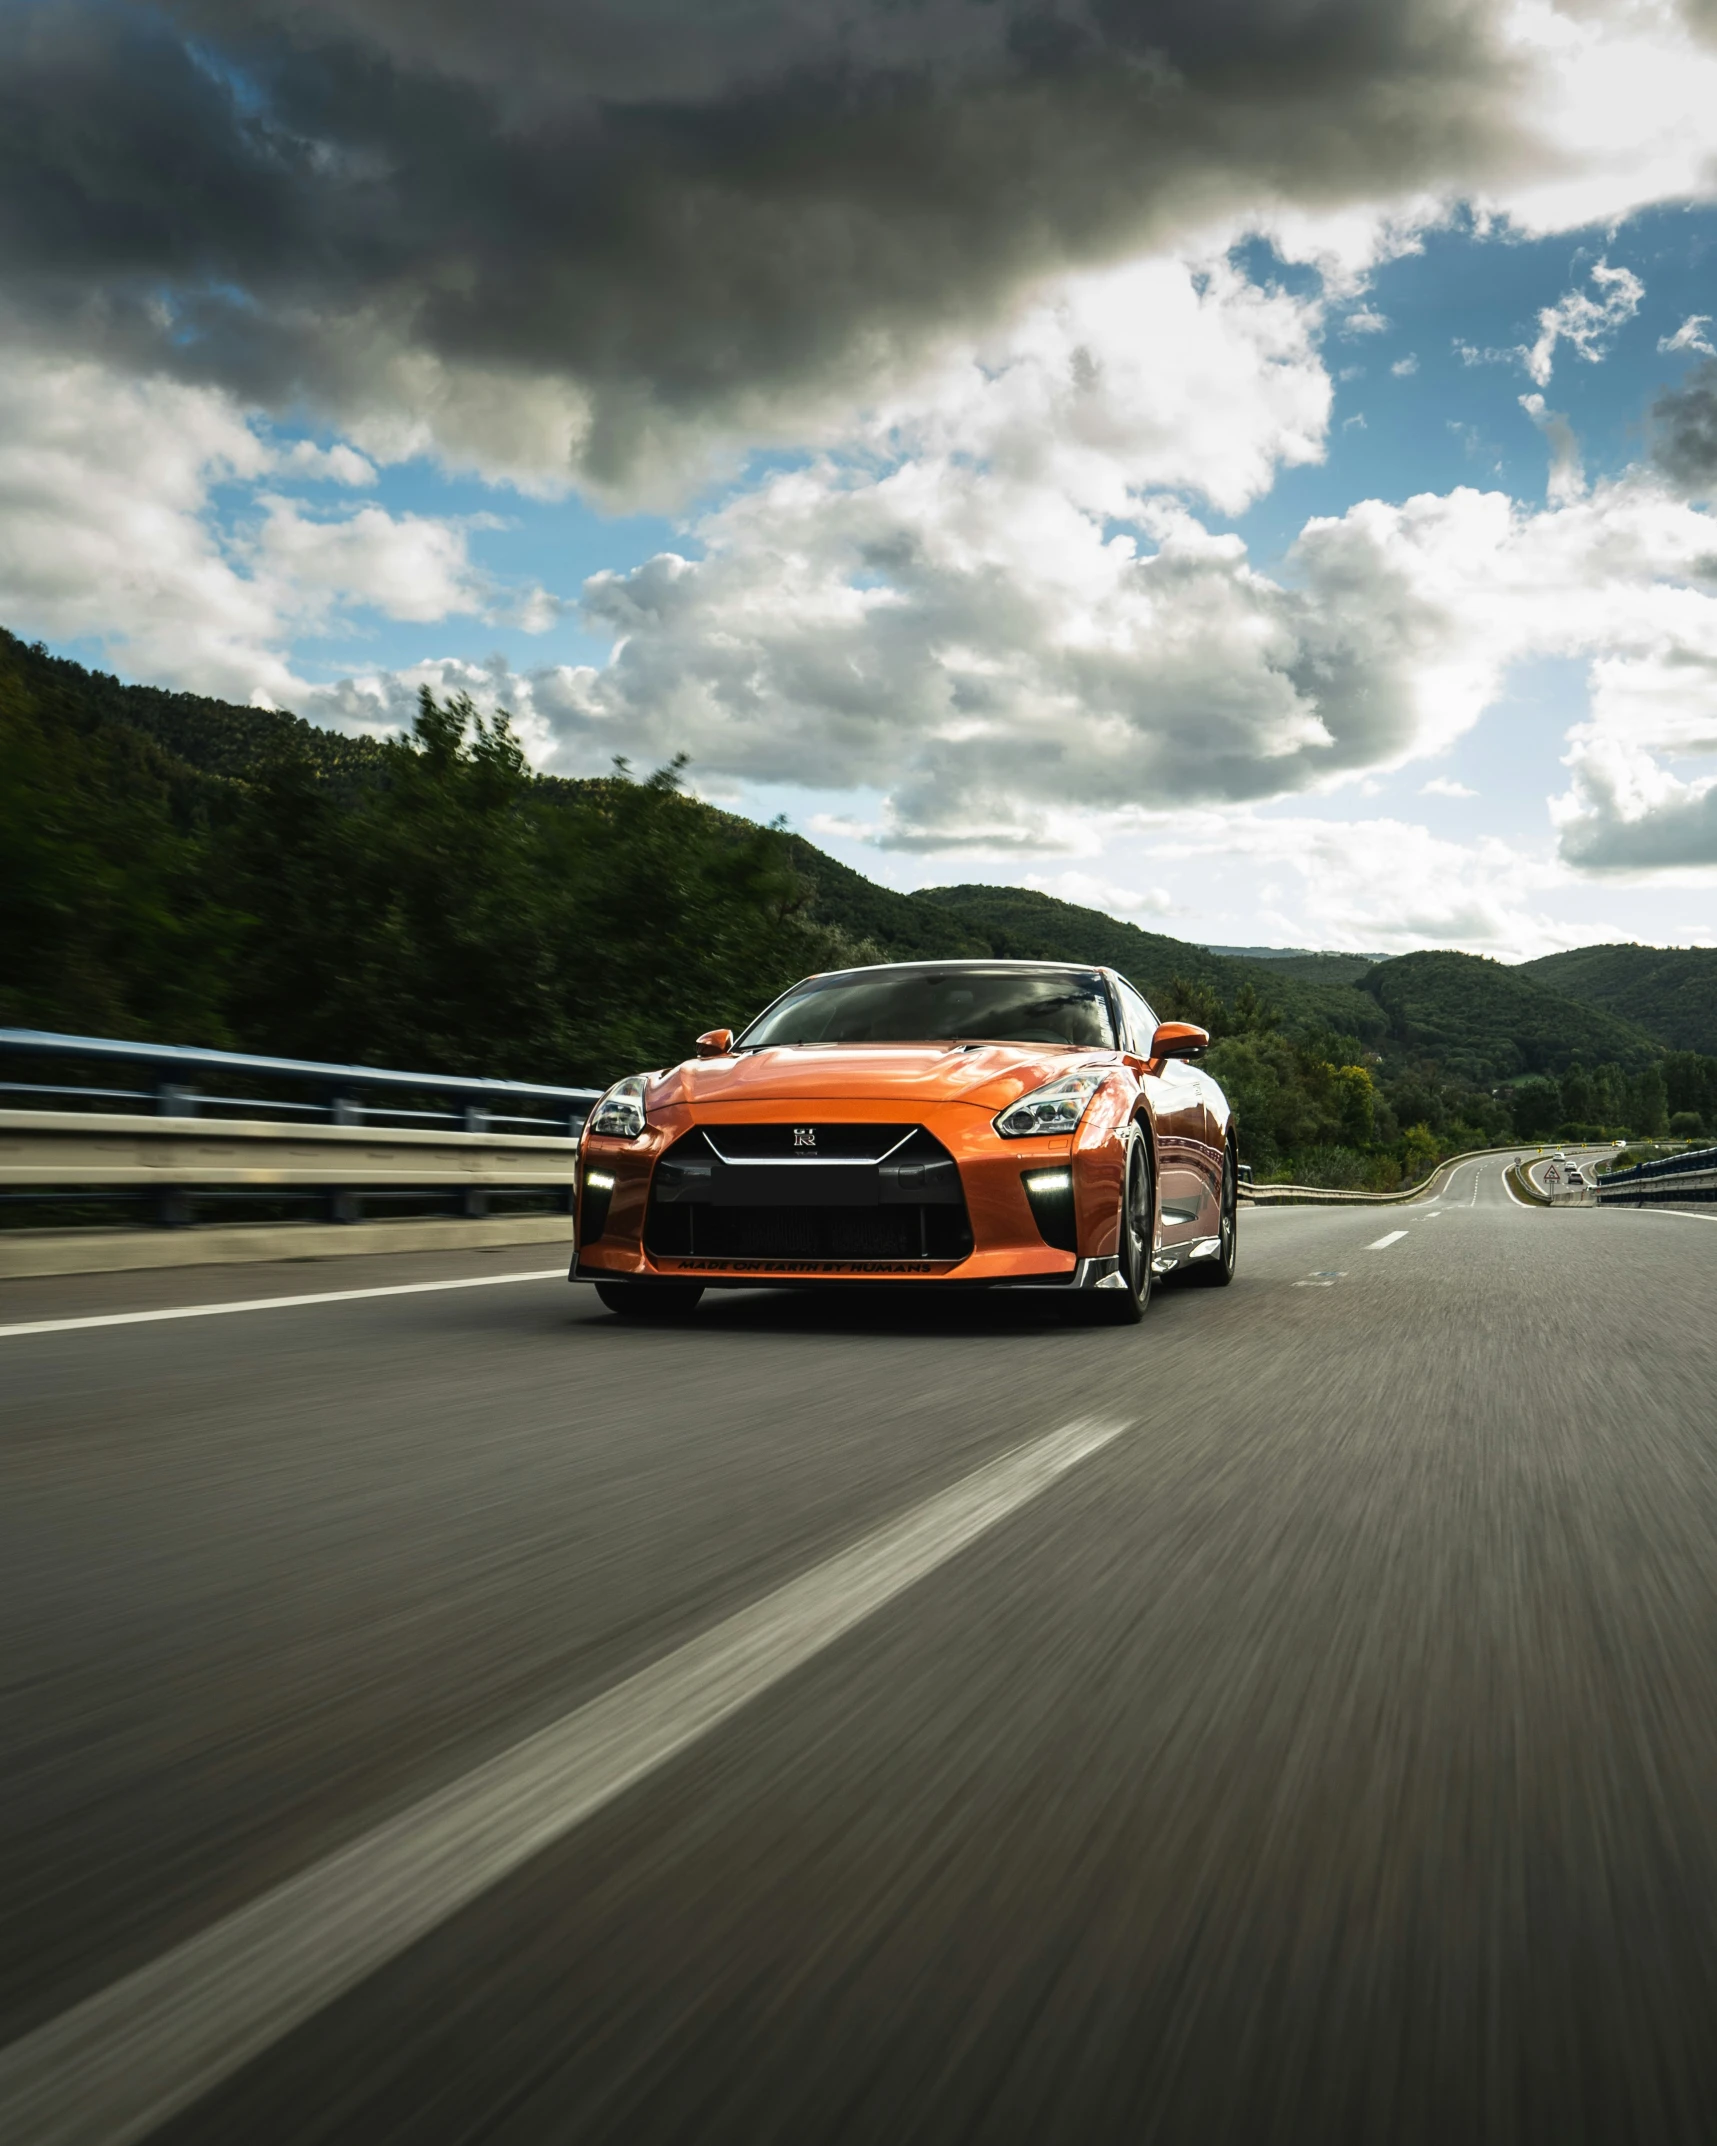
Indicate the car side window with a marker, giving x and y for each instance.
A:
(1140, 1019)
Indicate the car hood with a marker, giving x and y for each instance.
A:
(988, 1075)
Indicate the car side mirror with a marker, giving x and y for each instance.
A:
(715, 1043)
(1179, 1039)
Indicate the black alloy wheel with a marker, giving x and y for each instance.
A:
(650, 1300)
(1127, 1305)
(1217, 1273)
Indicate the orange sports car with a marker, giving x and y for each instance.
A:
(1020, 1124)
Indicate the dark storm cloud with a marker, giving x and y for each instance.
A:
(1684, 432)
(684, 212)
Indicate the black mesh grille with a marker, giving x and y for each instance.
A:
(912, 1210)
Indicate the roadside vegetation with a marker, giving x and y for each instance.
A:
(422, 902)
(174, 869)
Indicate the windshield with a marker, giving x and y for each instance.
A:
(936, 1005)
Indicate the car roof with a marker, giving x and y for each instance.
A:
(970, 961)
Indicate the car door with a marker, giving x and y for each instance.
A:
(1188, 1187)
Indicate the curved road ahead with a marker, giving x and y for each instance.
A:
(1295, 1718)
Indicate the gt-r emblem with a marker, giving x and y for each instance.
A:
(804, 1136)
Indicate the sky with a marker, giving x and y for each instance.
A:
(1248, 466)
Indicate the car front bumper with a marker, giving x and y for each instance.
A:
(641, 1205)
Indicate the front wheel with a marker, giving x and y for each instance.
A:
(650, 1300)
(1126, 1304)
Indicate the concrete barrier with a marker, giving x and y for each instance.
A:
(66, 1150)
(172, 1160)
(27, 1253)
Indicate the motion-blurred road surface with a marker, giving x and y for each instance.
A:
(1323, 1745)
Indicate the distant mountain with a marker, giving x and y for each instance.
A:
(1308, 968)
(1669, 991)
(1473, 1018)
(902, 927)
(214, 737)
(1019, 923)
(1485, 1022)
(1344, 965)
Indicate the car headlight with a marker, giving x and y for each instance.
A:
(1057, 1107)
(620, 1114)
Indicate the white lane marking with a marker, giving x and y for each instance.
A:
(321, 1296)
(1394, 1237)
(125, 2060)
(1325, 1278)
(1509, 1189)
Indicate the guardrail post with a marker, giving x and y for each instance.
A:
(345, 1207)
(474, 1204)
(172, 1204)
(172, 1207)
(345, 1110)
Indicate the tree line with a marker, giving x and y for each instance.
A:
(445, 909)
(1316, 1107)
(430, 902)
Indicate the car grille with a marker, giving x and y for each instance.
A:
(879, 1196)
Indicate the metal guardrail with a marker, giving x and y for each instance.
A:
(1268, 1195)
(361, 1131)
(344, 1095)
(1681, 1180)
(1547, 1183)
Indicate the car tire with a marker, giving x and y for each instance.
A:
(1136, 1242)
(650, 1300)
(1217, 1273)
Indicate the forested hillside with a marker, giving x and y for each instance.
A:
(169, 874)
(1312, 994)
(1491, 1023)
(174, 869)
(1669, 991)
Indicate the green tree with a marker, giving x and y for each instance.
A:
(1420, 1152)
(104, 917)
(1537, 1108)
(1650, 1109)
(459, 914)
(1356, 1104)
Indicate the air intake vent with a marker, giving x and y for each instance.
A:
(881, 1194)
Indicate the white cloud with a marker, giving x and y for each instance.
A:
(407, 566)
(1165, 374)
(1091, 892)
(1617, 101)
(1405, 368)
(338, 464)
(109, 530)
(1383, 885)
(1365, 320)
(1584, 322)
(1567, 479)
(1445, 786)
(1691, 335)
(104, 487)
(1005, 668)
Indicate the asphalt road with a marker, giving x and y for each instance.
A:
(1328, 1753)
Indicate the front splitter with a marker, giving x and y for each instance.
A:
(1086, 1274)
